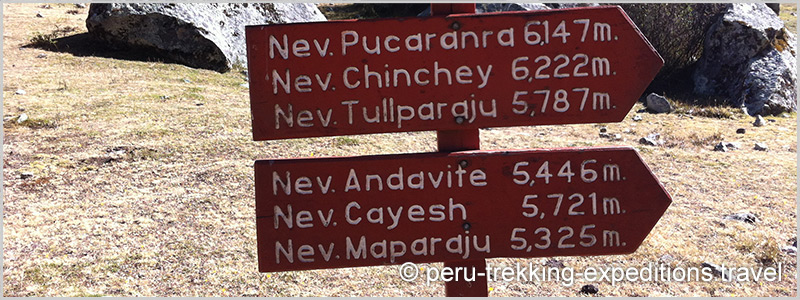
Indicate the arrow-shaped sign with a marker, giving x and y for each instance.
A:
(433, 207)
(456, 72)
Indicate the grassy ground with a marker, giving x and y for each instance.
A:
(142, 184)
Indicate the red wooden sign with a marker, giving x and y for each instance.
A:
(375, 210)
(446, 72)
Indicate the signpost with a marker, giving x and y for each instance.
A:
(453, 73)
(322, 213)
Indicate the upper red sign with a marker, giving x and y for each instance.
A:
(446, 73)
(434, 207)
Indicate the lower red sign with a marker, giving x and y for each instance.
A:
(433, 207)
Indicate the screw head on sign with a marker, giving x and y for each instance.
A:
(455, 26)
(459, 120)
(466, 226)
(463, 163)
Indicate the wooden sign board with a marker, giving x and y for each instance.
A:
(322, 213)
(453, 72)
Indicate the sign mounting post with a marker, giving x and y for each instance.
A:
(460, 140)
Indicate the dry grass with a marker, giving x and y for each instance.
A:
(144, 185)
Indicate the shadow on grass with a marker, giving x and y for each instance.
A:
(84, 44)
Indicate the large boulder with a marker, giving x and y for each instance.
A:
(500, 7)
(200, 35)
(481, 8)
(676, 31)
(750, 60)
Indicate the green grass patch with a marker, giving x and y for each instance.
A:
(345, 141)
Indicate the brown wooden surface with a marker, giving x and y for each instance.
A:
(492, 210)
(323, 105)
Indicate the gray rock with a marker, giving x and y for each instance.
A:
(39, 15)
(776, 7)
(676, 31)
(589, 289)
(604, 135)
(603, 129)
(749, 59)
(80, 5)
(41, 55)
(200, 35)
(761, 147)
(497, 7)
(790, 250)
(759, 121)
(721, 148)
(651, 140)
(732, 145)
(20, 92)
(717, 270)
(741, 130)
(554, 263)
(666, 259)
(25, 175)
(746, 217)
(570, 5)
(500, 7)
(637, 118)
(658, 104)
(22, 118)
(617, 137)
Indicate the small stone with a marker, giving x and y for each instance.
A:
(604, 135)
(648, 141)
(721, 147)
(554, 263)
(785, 115)
(666, 259)
(22, 118)
(80, 5)
(603, 129)
(759, 121)
(761, 147)
(741, 131)
(41, 55)
(20, 92)
(187, 80)
(245, 85)
(746, 217)
(772, 120)
(732, 146)
(589, 289)
(198, 104)
(25, 175)
(790, 250)
(617, 137)
(38, 15)
(164, 97)
(658, 104)
(637, 118)
(716, 270)
(653, 139)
